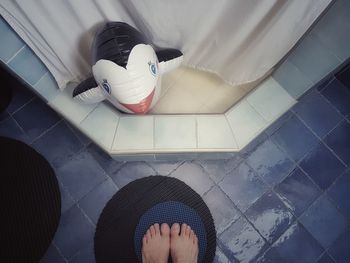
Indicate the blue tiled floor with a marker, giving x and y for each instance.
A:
(284, 198)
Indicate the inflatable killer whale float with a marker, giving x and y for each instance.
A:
(126, 69)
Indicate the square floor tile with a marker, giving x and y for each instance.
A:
(130, 172)
(292, 79)
(74, 232)
(245, 122)
(295, 138)
(270, 100)
(338, 95)
(134, 133)
(344, 75)
(217, 169)
(35, 118)
(324, 221)
(339, 141)
(10, 41)
(27, 65)
(175, 132)
(340, 249)
(215, 132)
(322, 166)
(243, 186)
(105, 161)
(297, 192)
(67, 200)
(270, 163)
(194, 176)
(10, 128)
(221, 208)
(340, 193)
(276, 125)
(313, 59)
(85, 255)
(58, 145)
(81, 174)
(243, 241)
(20, 95)
(325, 258)
(93, 203)
(165, 167)
(270, 216)
(52, 256)
(251, 147)
(295, 245)
(318, 113)
(220, 257)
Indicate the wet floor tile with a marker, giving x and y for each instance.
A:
(58, 145)
(104, 160)
(221, 208)
(322, 166)
(270, 163)
(217, 169)
(85, 255)
(340, 249)
(194, 176)
(325, 258)
(220, 257)
(324, 221)
(52, 256)
(74, 232)
(338, 95)
(243, 186)
(295, 138)
(80, 175)
(130, 172)
(339, 141)
(295, 245)
(243, 241)
(270, 216)
(297, 192)
(165, 167)
(339, 192)
(318, 113)
(45, 118)
(94, 202)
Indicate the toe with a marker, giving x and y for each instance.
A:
(183, 229)
(148, 234)
(165, 229)
(175, 229)
(152, 230)
(156, 228)
(188, 231)
(144, 240)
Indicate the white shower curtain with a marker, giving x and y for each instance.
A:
(239, 40)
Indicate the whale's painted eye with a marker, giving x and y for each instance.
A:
(106, 86)
(153, 68)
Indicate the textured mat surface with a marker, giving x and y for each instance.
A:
(114, 237)
(171, 212)
(30, 202)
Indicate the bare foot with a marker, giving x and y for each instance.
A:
(156, 244)
(184, 245)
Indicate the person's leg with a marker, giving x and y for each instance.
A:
(184, 244)
(156, 244)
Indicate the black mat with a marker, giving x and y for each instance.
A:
(114, 237)
(30, 202)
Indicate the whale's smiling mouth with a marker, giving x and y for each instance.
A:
(143, 106)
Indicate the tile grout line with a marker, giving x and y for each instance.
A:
(15, 54)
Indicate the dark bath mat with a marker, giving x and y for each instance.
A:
(30, 202)
(119, 227)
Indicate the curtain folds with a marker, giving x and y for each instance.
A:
(239, 40)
